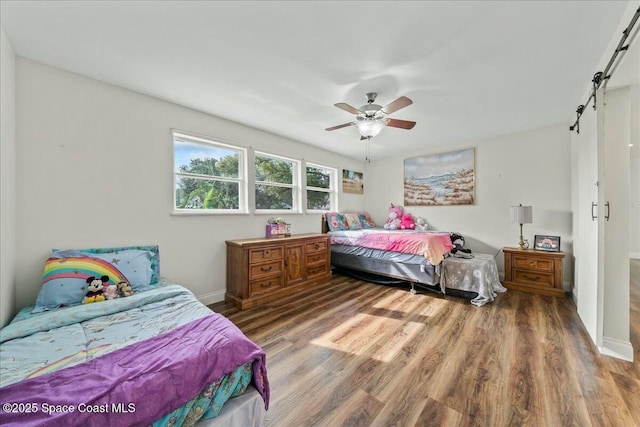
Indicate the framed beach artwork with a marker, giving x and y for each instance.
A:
(352, 182)
(440, 179)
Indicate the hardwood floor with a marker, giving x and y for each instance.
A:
(352, 353)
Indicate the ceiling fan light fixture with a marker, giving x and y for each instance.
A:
(370, 128)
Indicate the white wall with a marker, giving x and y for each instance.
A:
(7, 180)
(94, 168)
(634, 174)
(532, 168)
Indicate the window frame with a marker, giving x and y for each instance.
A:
(241, 180)
(332, 190)
(296, 184)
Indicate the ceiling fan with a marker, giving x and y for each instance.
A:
(372, 118)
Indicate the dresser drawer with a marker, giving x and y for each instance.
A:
(316, 270)
(265, 254)
(320, 245)
(533, 263)
(265, 269)
(533, 278)
(315, 258)
(265, 286)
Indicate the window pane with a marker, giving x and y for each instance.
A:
(270, 197)
(319, 178)
(205, 159)
(318, 200)
(274, 170)
(197, 193)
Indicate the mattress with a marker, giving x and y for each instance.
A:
(128, 361)
(413, 268)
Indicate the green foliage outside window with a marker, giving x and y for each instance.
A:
(318, 178)
(274, 183)
(199, 192)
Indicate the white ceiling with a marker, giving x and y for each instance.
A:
(474, 69)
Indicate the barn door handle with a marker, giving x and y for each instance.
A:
(593, 215)
(606, 215)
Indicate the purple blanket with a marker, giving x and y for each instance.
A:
(137, 384)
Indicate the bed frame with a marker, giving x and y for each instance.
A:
(425, 276)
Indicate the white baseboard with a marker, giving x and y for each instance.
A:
(634, 255)
(616, 348)
(212, 297)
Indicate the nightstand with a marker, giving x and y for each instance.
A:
(533, 271)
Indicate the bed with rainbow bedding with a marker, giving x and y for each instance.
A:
(157, 357)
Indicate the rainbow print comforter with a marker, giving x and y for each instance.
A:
(431, 245)
(157, 357)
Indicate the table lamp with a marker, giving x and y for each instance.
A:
(522, 215)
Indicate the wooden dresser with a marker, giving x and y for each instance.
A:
(533, 271)
(264, 269)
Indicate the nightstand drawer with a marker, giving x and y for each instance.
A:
(274, 267)
(316, 246)
(259, 255)
(533, 278)
(265, 286)
(533, 263)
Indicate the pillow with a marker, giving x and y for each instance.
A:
(152, 255)
(366, 220)
(353, 221)
(336, 221)
(133, 263)
(64, 281)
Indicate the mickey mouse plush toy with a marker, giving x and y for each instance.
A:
(95, 286)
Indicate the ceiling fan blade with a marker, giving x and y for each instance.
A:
(399, 103)
(344, 125)
(349, 108)
(404, 124)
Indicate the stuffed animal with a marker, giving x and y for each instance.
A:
(125, 289)
(407, 222)
(458, 246)
(393, 218)
(421, 224)
(110, 292)
(95, 286)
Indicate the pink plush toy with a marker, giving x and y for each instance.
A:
(407, 222)
(393, 218)
(110, 292)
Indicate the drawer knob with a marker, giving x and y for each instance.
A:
(266, 252)
(316, 246)
(265, 285)
(531, 277)
(264, 270)
(532, 263)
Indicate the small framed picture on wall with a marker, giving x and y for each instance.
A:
(547, 243)
(352, 182)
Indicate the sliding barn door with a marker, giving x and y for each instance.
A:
(586, 212)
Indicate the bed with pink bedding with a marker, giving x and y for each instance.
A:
(400, 257)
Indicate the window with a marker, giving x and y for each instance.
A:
(208, 176)
(277, 183)
(322, 188)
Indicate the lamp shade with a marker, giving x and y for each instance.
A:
(370, 128)
(522, 214)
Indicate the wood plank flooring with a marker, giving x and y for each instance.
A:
(352, 353)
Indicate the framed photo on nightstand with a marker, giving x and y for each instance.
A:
(547, 243)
